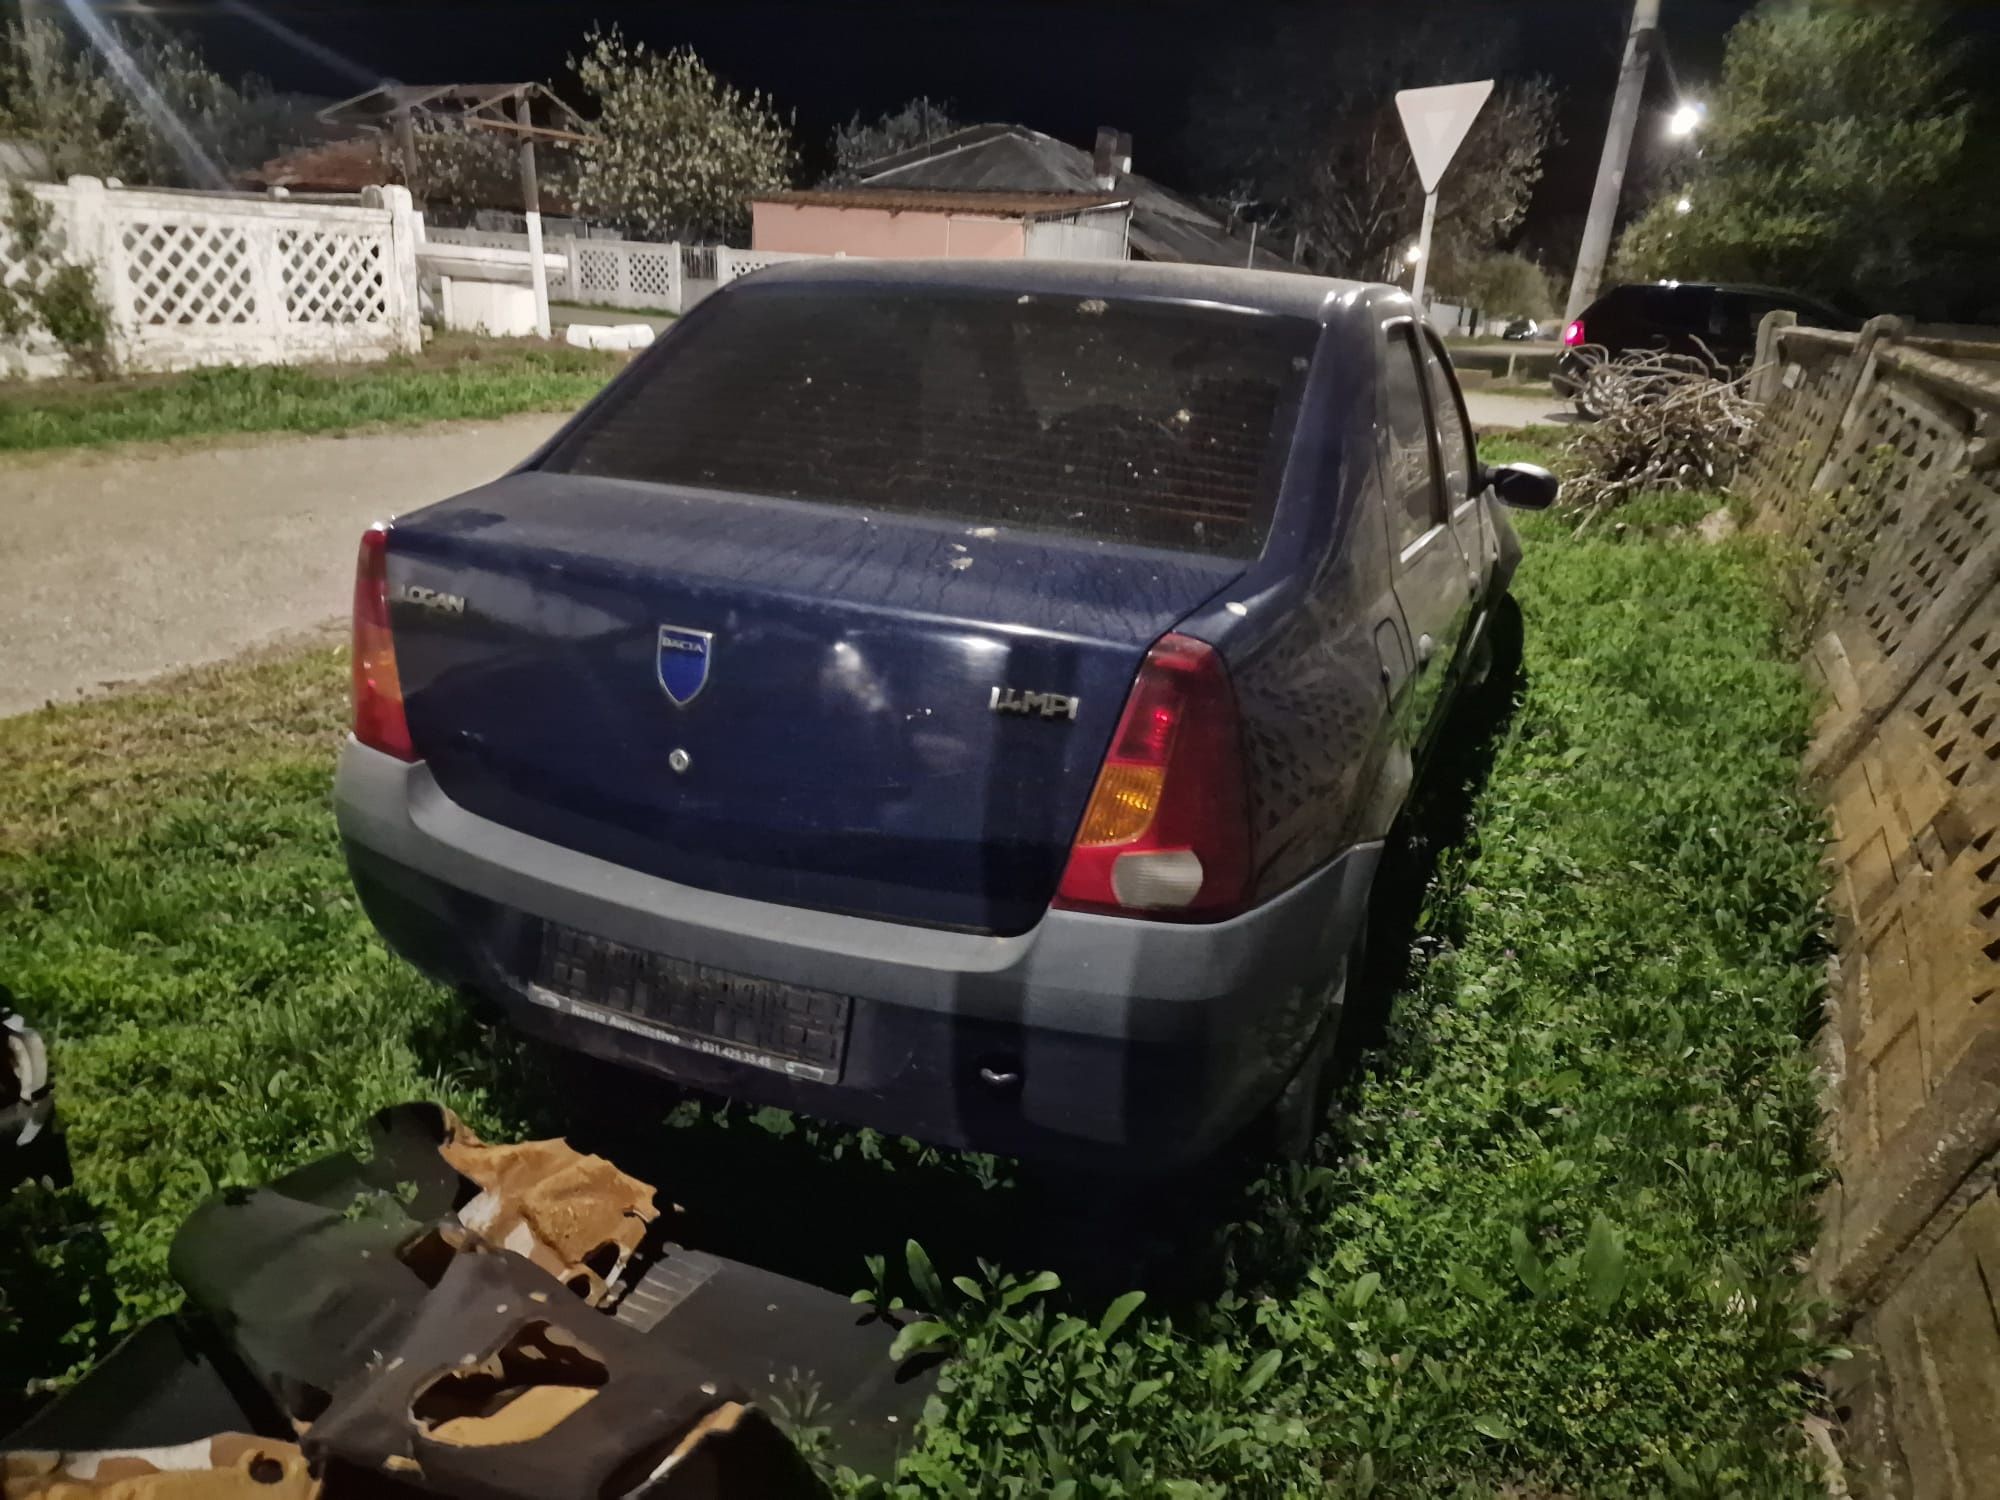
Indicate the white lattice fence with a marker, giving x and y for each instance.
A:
(731, 263)
(203, 279)
(602, 273)
(335, 279)
(20, 267)
(181, 274)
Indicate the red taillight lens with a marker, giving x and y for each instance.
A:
(379, 722)
(1573, 335)
(1166, 833)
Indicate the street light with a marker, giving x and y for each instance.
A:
(1684, 121)
(1684, 205)
(1414, 254)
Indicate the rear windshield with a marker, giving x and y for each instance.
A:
(1129, 421)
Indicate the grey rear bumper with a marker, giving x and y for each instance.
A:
(1134, 1039)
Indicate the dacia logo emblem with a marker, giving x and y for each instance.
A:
(682, 662)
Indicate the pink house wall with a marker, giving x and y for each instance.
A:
(879, 233)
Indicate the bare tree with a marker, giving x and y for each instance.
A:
(1307, 118)
(167, 118)
(464, 168)
(859, 142)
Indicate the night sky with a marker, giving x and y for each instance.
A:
(1063, 66)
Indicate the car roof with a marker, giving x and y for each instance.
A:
(1747, 288)
(1317, 297)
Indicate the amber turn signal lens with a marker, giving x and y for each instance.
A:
(1123, 805)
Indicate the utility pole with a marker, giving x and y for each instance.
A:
(406, 148)
(1591, 255)
(531, 205)
(1424, 252)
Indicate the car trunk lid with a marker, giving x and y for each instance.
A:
(886, 716)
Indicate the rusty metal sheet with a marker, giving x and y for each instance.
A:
(576, 1216)
(372, 1308)
(505, 1386)
(224, 1467)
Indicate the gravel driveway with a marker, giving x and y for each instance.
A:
(120, 567)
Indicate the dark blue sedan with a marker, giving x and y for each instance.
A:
(963, 698)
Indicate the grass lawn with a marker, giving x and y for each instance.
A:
(595, 307)
(1546, 1250)
(457, 375)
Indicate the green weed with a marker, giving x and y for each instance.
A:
(1547, 1247)
(454, 378)
(1518, 445)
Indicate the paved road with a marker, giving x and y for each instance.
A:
(115, 568)
(561, 316)
(119, 568)
(1491, 409)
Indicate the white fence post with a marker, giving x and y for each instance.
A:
(94, 238)
(724, 272)
(674, 277)
(405, 311)
(566, 288)
(273, 317)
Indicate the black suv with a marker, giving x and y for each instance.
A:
(1697, 319)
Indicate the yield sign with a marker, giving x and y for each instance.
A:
(1436, 121)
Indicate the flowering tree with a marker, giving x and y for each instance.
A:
(63, 99)
(462, 167)
(1840, 158)
(675, 152)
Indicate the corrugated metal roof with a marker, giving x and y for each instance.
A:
(1013, 158)
(1004, 205)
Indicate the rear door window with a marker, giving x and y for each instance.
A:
(1454, 433)
(1415, 501)
(1679, 309)
(1154, 423)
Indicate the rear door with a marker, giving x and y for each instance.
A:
(1458, 464)
(1683, 319)
(1432, 573)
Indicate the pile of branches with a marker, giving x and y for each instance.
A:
(1664, 422)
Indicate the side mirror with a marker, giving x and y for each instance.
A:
(1523, 486)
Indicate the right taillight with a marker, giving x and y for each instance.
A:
(1573, 335)
(379, 721)
(1166, 833)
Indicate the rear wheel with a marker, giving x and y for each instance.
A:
(1301, 1107)
(1496, 673)
(1299, 1113)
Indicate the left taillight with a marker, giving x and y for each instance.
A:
(379, 721)
(1166, 834)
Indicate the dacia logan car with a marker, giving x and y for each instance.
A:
(962, 698)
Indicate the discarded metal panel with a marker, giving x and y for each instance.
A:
(508, 1386)
(224, 1467)
(577, 1217)
(788, 1343)
(439, 1319)
(172, 1381)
